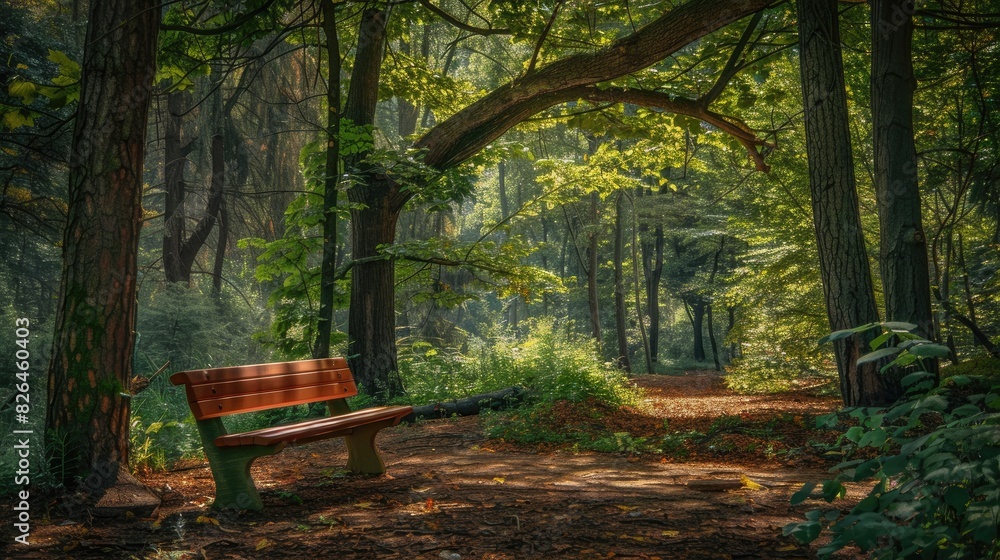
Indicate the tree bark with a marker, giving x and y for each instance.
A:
(87, 419)
(469, 406)
(844, 269)
(698, 326)
(903, 244)
(375, 210)
(199, 235)
(592, 294)
(175, 152)
(623, 359)
(328, 268)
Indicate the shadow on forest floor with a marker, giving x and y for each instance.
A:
(451, 493)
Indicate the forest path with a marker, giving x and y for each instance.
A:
(451, 493)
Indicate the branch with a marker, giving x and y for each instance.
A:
(231, 26)
(979, 335)
(468, 131)
(732, 65)
(654, 99)
(460, 24)
(541, 38)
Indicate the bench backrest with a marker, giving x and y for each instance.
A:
(229, 390)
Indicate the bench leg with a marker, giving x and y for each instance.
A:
(362, 455)
(234, 487)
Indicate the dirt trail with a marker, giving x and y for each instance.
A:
(452, 494)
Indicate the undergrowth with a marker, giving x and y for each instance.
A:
(932, 460)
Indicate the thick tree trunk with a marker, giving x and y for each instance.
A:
(623, 359)
(372, 318)
(376, 207)
(89, 375)
(844, 268)
(328, 268)
(903, 244)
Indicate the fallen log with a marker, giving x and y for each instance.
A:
(497, 400)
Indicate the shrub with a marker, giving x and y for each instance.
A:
(936, 470)
(551, 362)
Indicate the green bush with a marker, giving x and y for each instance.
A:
(936, 470)
(551, 362)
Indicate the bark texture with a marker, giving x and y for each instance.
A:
(328, 270)
(844, 268)
(372, 315)
(623, 359)
(903, 244)
(87, 418)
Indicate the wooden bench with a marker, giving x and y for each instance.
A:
(215, 393)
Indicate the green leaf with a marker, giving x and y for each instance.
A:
(23, 89)
(18, 118)
(854, 434)
(899, 326)
(803, 493)
(878, 355)
(837, 335)
(930, 350)
(895, 465)
(957, 497)
(880, 340)
(915, 377)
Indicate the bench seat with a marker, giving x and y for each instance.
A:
(314, 430)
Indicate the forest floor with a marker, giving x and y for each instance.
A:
(451, 493)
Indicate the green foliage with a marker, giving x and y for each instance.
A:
(936, 469)
(190, 329)
(762, 373)
(181, 328)
(552, 362)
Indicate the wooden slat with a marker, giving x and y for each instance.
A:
(214, 375)
(213, 408)
(310, 430)
(271, 383)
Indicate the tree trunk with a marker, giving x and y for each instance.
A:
(87, 419)
(711, 339)
(328, 268)
(592, 294)
(697, 323)
(199, 235)
(375, 210)
(175, 152)
(624, 361)
(220, 248)
(466, 132)
(844, 269)
(903, 245)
